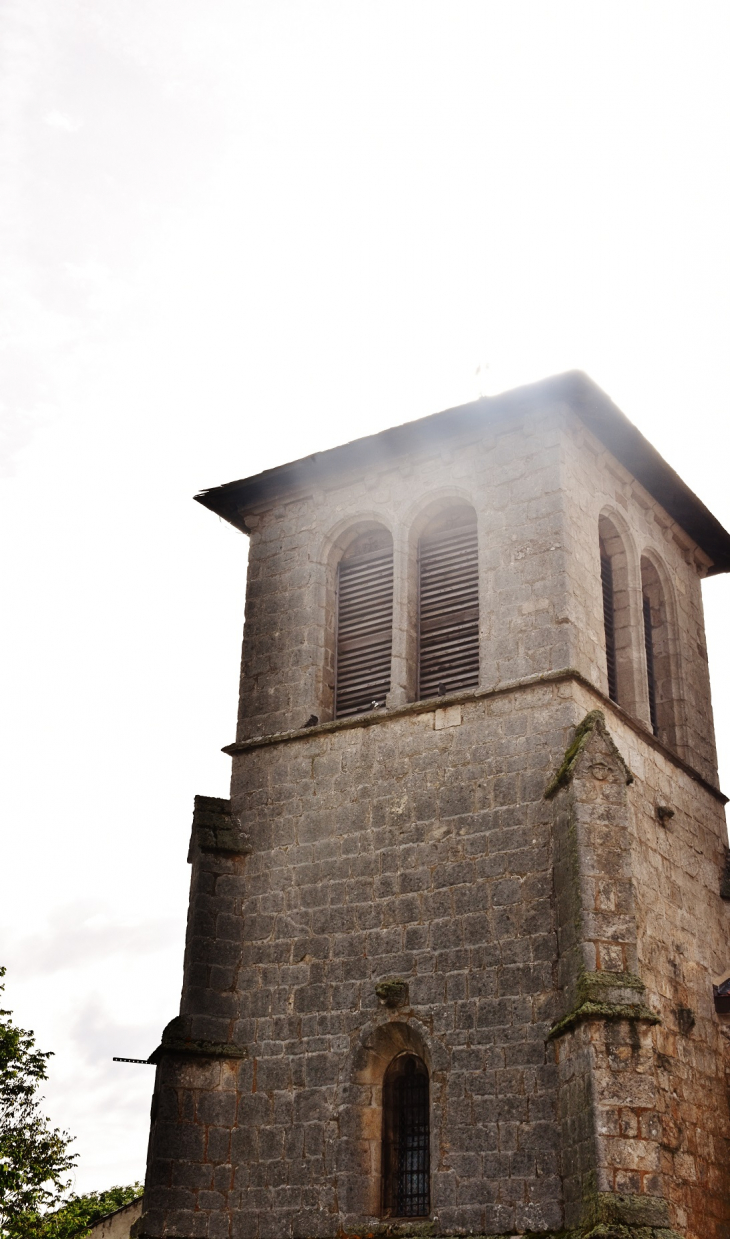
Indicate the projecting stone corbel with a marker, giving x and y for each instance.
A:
(392, 992)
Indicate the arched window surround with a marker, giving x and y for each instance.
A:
(336, 546)
(362, 1116)
(406, 532)
(415, 522)
(664, 650)
(614, 541)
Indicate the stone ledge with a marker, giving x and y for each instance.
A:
(198, 1049)
(176, 1041)
(635, 1012)
(376, 717)
(601, 1231)
(610, 1208)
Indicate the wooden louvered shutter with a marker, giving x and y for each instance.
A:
(364, 626)
(448, 607)
(609, 624)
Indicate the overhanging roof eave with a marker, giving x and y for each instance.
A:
(575, 389)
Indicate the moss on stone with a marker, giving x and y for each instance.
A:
(392, 991)
(593, 721)
(603, 1010)
(591, 984)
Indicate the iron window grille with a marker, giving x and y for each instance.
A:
(406, 1136)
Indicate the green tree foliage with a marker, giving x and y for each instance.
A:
(35, 1161)
(76, 1217)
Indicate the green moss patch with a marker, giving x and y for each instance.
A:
(593, 721)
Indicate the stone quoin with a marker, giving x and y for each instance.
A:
(457, 942)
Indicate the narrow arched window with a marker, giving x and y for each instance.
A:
(620, 620)
(609, 620)
(657, 643)
(650, 673)
(364, 635)
(406, 1135)
(448, 604)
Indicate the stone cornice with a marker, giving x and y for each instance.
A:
(375, 718)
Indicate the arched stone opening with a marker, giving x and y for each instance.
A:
(359, 620)
(405, 1159)
(448, 603)
(362, 1119)
(625, 682)
(660, 654)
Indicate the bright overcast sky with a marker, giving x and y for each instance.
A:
(239, 231)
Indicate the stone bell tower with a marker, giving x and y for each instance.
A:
(457, 942)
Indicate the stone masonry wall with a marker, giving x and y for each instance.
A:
(539, 483)
(595, 483)
(422, 851)
(511, 475)
(683, 937)
(421, 847)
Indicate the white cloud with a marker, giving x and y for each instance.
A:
(61, 120)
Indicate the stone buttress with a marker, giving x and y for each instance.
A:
(196, 1095)
(610, 1129)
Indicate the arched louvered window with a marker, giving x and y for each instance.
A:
(364, 624)
(657, 643)
(406, 1137)
(609, 620)
(448, 604)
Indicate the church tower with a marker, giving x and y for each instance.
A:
(457, 942)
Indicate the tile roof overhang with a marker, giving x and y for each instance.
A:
(574, 389)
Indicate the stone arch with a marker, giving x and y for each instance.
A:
(426, 507)
(618, 572)
(361, 1115)
(334, 547)
(379, 1043)
(659, 615)
(337, 539)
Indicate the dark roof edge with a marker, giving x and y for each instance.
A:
(576, 389)
(622, 438)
